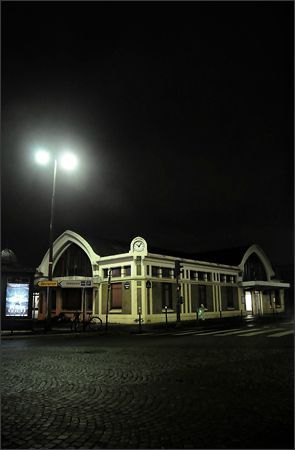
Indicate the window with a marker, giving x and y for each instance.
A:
(165, 272)
(202, 276)
(277, 298)
(35, 307)
(71, 299)
(230, 297)
(127, 271)
(88, 299)
(74, 261)
(155, 271)
(194, 275)
(254, 269)
(202, 295)
(270, 298)
(116, 296)
(167, 295)
(116, 272)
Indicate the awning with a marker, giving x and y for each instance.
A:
(264, 284)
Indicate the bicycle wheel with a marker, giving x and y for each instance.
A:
(95, 323)
(79, 326)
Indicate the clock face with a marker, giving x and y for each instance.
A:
(138, 246)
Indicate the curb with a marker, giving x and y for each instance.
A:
(133, 330)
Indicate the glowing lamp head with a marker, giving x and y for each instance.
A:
(68, 161)
(42, 157)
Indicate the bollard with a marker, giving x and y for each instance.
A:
(197, 314)
(139, 319)
(166, 315)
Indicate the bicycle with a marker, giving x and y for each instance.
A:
(61, 319)
(93, 323)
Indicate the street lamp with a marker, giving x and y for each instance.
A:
(67, 161)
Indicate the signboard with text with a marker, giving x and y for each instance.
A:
(47, 283)
(76, 284)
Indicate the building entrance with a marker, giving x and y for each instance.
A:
(253, 302)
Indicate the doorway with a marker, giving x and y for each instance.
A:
(253, 302)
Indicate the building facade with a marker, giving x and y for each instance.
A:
(122, 282)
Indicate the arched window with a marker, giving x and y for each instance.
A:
(73, 262)
(254, 269)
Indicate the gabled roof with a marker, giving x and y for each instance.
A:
(107, 247)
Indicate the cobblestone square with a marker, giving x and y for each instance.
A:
(130, 392)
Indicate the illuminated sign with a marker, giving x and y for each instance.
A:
(47, 283)
(17, 299)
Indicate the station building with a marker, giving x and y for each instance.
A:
(227, 283)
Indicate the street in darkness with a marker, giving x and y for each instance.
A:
(225, 389)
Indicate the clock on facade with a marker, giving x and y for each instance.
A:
(138, 246)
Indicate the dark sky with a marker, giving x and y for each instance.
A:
(181, 115)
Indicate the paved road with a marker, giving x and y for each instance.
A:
(146, 391)
(270, 330)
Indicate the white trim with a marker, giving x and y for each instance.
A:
(264, 283)
(206, 265)
(262, 256)
(61, 244)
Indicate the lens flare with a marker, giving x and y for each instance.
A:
(68, 161)
(42, 157)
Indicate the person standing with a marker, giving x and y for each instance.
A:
(201, 312)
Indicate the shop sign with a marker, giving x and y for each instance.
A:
(47, 283)
(127, 285)
(76, 284)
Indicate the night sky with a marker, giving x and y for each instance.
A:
(181, 115)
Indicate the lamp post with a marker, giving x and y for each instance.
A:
(68, 162)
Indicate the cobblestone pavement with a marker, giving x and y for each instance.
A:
(125, 392)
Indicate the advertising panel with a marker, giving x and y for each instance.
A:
(17, 299)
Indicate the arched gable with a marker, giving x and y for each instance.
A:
(61, 244)
(256, 250)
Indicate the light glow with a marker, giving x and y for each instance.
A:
(17, 300)
(42, 157)
(68, 161)
(248, 299)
